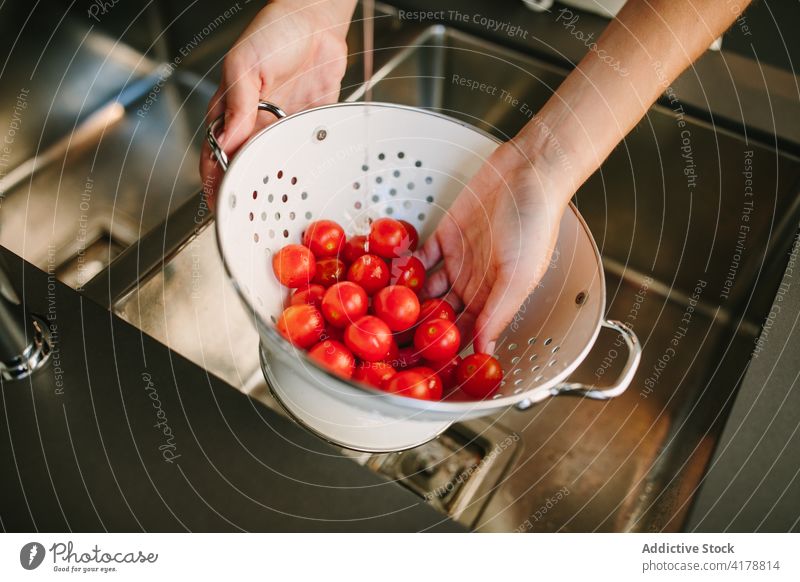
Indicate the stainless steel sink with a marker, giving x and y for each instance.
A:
(677, 271)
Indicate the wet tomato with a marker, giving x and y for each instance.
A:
(446, 370)
(334, 357)
(436, 309)
(398, 306)
(311, 295)
(329, 271)
(413, 384)
(374, 373)
(294, 266)
(437, 339)
(354, 248)
(302, 325)
(479, 375)
(369, 338)
(388, 238)
(413, 235)
(433, 379)
(325, 238)
(344, 303)
(409, 272)
(369, 271)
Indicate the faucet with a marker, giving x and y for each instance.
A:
(24, 339)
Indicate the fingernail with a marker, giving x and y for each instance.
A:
(221, 139)
(490, 347)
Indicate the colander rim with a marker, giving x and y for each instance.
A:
(292, 356)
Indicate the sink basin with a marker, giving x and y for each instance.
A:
(668, 221)
(104, 146)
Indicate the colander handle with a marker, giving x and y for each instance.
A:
(211, 132)
(625, 376)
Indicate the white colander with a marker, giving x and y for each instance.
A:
(352, 162)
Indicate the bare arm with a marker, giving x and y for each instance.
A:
(496, 241)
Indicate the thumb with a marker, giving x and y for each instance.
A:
(505, 298)
(241, 110)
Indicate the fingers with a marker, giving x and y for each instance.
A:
(505, 299)
(241, 107)
(436, 285)
(431, 252)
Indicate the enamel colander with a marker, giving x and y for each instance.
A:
(353, 162)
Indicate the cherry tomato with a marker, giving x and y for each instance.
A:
(369, 271)
(294, 266)
(446, 371)
(368, 338)
(437, 339)
(325, 238)
(413, 235)
(374, 373)
(406, 358)
(344, 303)
(436, 309)
(434, 382)
(408, 271)
(354, 248)
(329, 271)
(413, 384)
(405, 337)
(398, 306)
(302, 325)
(333, 356)
(388, 238)
(311, 295)
(479, 375)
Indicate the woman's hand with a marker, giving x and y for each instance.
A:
(495, 241)
(293, 54)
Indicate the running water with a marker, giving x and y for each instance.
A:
(368, 25)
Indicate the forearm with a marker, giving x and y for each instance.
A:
(641, 51)
(337, 12)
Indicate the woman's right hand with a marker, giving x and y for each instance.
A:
(292, 54)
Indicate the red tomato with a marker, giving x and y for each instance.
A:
(344, 303)
(368, 338)
(413, 384)
(479, 375)
(405, 337)
(446, 371)
(369, 271)
(398, 306)
(408, 271)
(354, 248)
(406, 358)
(436, 309)
(374, 373)
(437, 339)
(325, 238)
(311, 295)
(388, 238)
(294, 266)
(413, 235)
(302, 325)
(329, 271)
(434, 382)
(334, 357)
